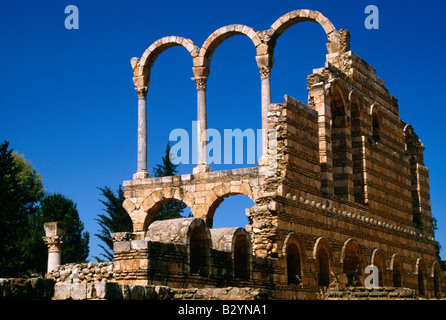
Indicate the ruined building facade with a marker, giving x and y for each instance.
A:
(341, 185)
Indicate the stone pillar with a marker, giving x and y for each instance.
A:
(54, 232)
(317, 96)
(142, 172)
(265, 64)
(201, 77)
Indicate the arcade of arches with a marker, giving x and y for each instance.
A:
(337, 190)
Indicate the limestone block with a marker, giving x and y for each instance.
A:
(62, 291)
(79, 291)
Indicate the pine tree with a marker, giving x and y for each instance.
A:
(116, 219)
(20, 191)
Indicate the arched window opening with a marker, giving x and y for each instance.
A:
(242, 256)
(396, 271)
(352, 263)
(339, 124)
(357, 153)
(323, 268)
(199, 252)
(375, 127)
(421, 283)
(293, 264)
(396, 277)
(378, 261)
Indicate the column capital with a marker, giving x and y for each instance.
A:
(54, 243)
(265, 73)
(265, 64)
(142, 92)
(200, 82)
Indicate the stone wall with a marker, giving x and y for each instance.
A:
(83, 272)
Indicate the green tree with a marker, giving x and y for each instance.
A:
(75, 249)
(174, 208)
(21, 190)
(115, 219)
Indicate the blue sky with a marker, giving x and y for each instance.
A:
(67, 100)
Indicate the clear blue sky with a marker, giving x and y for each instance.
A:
(67, 100)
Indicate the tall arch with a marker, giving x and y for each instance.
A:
(397, 270)
(421, 275)
(291, 18)
(142, 67)
(294, 253)
(141, 78)
(340, 141)
(359, 181)
(324, 258)
(218, 36)
(377, 259)
(353, 263)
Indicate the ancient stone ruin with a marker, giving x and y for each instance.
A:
(348, 189)
(342, 185)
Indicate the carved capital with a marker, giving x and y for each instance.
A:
(54, 243)
(265, 73)
(142, 92)
(200, 82)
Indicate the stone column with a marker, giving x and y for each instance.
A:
(54, 233)
(317, 96)
(201, 77)
(142, 172)
(265, 64)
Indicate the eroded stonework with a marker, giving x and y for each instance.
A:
(349, 188)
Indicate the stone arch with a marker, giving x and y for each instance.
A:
(377, 259)
(218, 36)
(340, 139)
(420, 270)
(217, 195)
(142, 67)
(291, 18)
(235, 241)
(397, 270)
(294, 252)
(323, 256)
(437, 277)
(353, 263)
(154, 201)
(190, 232)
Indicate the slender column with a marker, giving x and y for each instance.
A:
(54, 232)
(142, 172)
(264, 63)
(200, 80)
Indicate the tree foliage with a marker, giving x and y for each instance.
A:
(24, 208)
(115, 219)
(20, 191)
